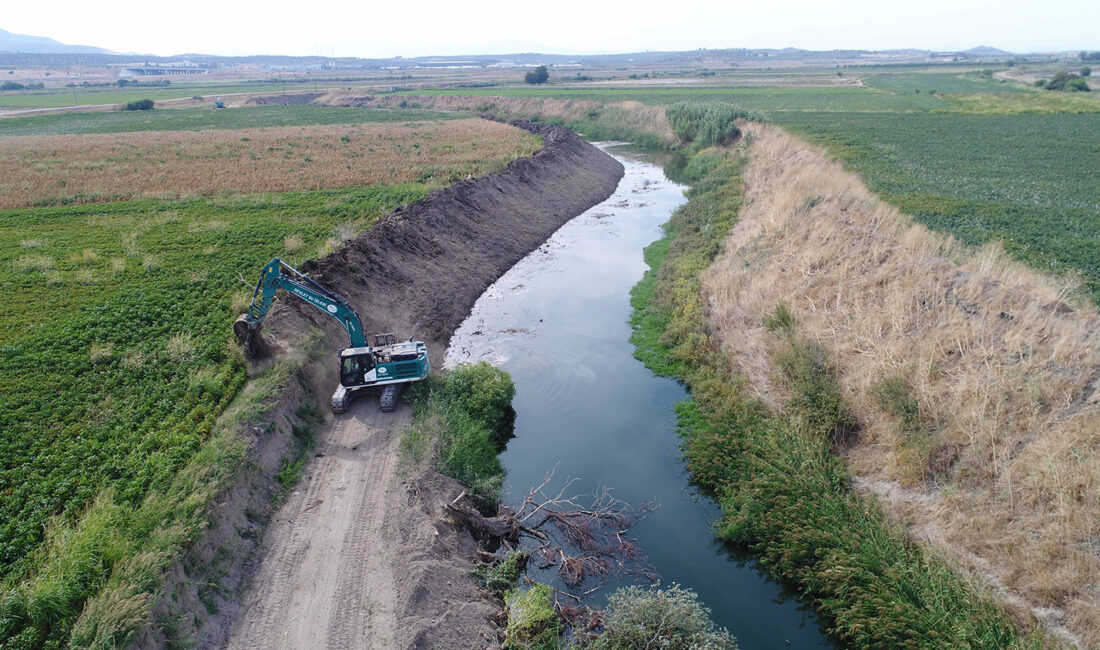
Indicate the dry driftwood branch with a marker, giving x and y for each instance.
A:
(582, 535)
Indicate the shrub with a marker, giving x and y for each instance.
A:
(707, 123)
(533, 623)
(1065, 81)
(11, 85)
(139, 105)
(485, 393)
(465, 419)
(895, 396)
(652, 617)
(782, 319)
(1077, 85)
(539, 75)
(1086, 71)
(503, 575)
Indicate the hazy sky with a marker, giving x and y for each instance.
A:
(425, 27)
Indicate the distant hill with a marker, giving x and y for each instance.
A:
(986, 51)
(41, 45)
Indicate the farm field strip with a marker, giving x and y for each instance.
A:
(193, 119)
(833, 98)
(86, 96)
(43, 170)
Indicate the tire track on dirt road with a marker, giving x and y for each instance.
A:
(325, 580)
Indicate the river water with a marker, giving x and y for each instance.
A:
(559, 323)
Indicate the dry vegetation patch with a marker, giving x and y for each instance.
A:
(632, 115)
(975, 379)
(37, 170)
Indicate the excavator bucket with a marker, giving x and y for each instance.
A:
(248, 336)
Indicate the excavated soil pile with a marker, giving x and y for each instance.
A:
(421, 269)
(359, 555)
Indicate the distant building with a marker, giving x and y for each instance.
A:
(168, 70)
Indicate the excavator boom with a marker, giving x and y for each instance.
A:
(276, 275)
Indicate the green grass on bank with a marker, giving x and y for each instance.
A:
(463, 420)
(116, 365)
(784, 493)
(195, 119)
(1026, 180)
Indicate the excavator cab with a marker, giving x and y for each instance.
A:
(354, 367)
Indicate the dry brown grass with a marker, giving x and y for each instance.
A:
(632, 114)
(998, 460)
(567, 109)
(174, 164)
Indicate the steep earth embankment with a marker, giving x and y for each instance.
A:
(360, 556)
(974, 378)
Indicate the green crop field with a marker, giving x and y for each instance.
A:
(1027, 180)
(113, 340)
(979, 158)
(942, 83)
(115, 355)
(194, 119)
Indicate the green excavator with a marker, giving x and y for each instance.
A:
(387, 364)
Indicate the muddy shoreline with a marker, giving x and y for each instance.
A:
(417, 273)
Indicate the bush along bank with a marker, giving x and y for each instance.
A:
(462, 419)
(784, 492)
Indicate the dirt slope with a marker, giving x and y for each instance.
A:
(360, 556)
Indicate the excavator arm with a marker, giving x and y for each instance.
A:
(276, 275)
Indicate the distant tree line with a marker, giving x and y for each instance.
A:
(15, 85)
(1089, 56)
(122, 83)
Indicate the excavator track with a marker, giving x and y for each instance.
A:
(340, 400)
(390, 393)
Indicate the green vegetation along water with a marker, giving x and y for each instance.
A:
(558, 322)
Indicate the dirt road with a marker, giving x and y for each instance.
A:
(327, 578)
